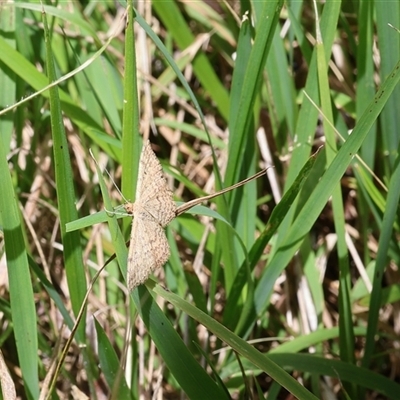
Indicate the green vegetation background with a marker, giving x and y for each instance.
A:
(292, 292)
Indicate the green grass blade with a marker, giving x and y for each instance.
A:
(21, 293)
(23, 312)
(243, 206)
(131, 142)
(365, 77)
(226, 240)
(385, 238)
(7, 76)
(345, 321)
(389, 54)
(319, 336)
(66, 197)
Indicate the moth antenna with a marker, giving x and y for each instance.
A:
(115, 185)
(187, 206)
(111, 178)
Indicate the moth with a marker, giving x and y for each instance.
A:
(153, 210)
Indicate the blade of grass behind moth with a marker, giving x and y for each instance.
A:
(186, 206)
(131, 141)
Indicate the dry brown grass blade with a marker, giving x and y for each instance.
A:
(187, 206)
(7, 384)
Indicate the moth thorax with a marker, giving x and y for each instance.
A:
(130, 208)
